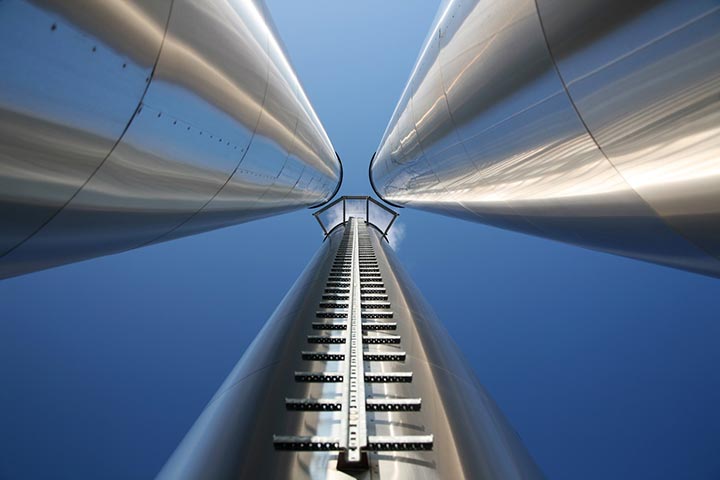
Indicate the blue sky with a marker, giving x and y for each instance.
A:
(606, 366)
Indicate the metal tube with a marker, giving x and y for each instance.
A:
(433, 394)
(589, 122)
(125, 123)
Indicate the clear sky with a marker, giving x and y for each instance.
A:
(607, 367)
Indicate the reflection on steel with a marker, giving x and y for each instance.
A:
(591, 122)
(363, 207)
(129, 122)
(287, 409)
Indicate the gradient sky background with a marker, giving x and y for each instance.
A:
(607, 367)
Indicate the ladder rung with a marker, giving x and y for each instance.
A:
(325, 339)
(319, 377)
(322, 356)
(320, 314)
(375, 306)
(312, 405)
(364, 298)
(381, 340)
(365, 314)
(395, 444)
(333, 305)
(329, 326)
(393, 404)
(379, 326)
(388, 377)
(335, 297)
(384, 357)
(301, 443)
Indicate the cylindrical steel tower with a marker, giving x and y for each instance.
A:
(353, 375)
(129, 122)
(591, 122)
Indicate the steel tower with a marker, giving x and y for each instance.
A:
(591, 122)
(130, 122)
(353, 376)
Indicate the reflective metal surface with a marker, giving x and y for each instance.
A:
(364, 208)
(128, 122)
(589, 122)
(233, 436)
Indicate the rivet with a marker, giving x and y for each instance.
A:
(53, 27)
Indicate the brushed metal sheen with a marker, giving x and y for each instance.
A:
(128, 122)
(589, 122)
(232, 438)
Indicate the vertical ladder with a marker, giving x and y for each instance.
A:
(354, 294)
(354, 422)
